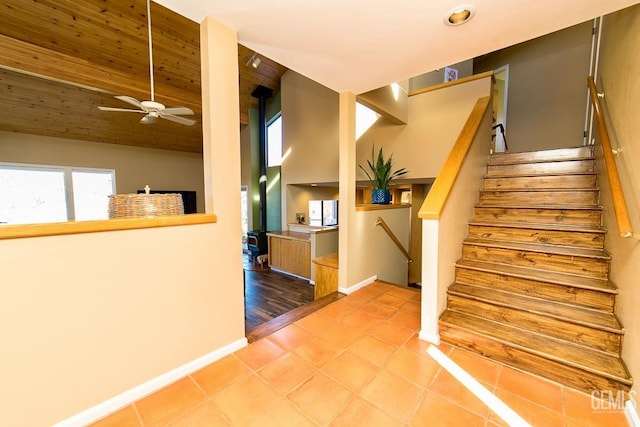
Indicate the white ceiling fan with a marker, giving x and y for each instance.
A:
(152, 109)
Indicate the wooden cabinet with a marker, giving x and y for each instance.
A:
(290, 254)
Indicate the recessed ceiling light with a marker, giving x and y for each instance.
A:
(460, 14)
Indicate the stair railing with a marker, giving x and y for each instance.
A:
(393, 237)
(619, 203)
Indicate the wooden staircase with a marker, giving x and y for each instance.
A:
(531, 289)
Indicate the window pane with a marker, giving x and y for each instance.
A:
(91, 190)
(29, 196)
(274, 142)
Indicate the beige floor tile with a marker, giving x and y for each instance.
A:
(390, 332)
(377, 310)
(360, 320)
(435, 411)
(478, 367)
(393, 394)
(372, 349)
(203, 415)
(315, 323)
(532, 388)
(287, 372)
(412, 367)
(579, 407)
(317, 351)
(221, 374)
(534, 414)
(169, 403)
(282, 414)
(290, 336)
(407, 320)
(125, 417)
(451, 389)
(361, 413)
(351, 371)
(259, 353)
(245, 401)
(321, 398)
(411, 307)
(340, 336)
(390, 300)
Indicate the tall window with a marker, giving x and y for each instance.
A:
(274, 141)
(32, 194)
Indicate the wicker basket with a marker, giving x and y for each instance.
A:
(145, 205)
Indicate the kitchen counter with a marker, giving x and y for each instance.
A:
(293, 235)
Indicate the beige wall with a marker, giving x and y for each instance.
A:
(391, 101)
(619, 70)
(465, 68)
(86, 317)
(135, 167)
(547, 88)
(435, 120)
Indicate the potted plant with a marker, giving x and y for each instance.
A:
(380, 176)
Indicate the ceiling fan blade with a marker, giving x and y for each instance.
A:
(129, 100)
(178, 119)
(179, 111)
(148, 119)
(126, 110)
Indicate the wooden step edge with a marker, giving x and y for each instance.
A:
(528, 273)
(522, 307)
(515, 162)
(548, 174)
(540, 248)
(546, 355)
(543, 207)
(541, 190)
(542, 226)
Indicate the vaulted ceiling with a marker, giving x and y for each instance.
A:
(61, 59)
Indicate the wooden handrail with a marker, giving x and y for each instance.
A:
(619, 204)
(386, 228)
(434, 202)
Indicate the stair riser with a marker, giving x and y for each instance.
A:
(541, 156)
(537, 182)
(539, 216)
(561, 293)
(557, 328)
(519, 359)
(565, 238)
(539, 198)
(584, 266)
(573, 166)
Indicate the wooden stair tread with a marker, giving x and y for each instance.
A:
(539, 247)
(604, 364)
(569, 313)
(557, 154)
(539, 175)
(540, 190)
(559, 278)
(539, 207)
(541, 226)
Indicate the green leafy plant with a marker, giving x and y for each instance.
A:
(381, 172)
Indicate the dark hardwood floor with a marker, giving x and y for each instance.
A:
(269, 294)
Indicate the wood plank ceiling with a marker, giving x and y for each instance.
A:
(61, 59)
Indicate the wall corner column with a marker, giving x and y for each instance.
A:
(347, 179)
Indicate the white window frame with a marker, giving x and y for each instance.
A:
(68, 179)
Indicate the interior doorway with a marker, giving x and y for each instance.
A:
(500, 96)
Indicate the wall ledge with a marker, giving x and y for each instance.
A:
(79, 227)
(376, 207)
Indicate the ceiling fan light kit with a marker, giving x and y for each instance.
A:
(152, 109)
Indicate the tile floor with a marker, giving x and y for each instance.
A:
(356, 362)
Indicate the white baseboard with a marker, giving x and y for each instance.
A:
(631, 413)
(107, 407)
(429, 337)
(357, 286)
